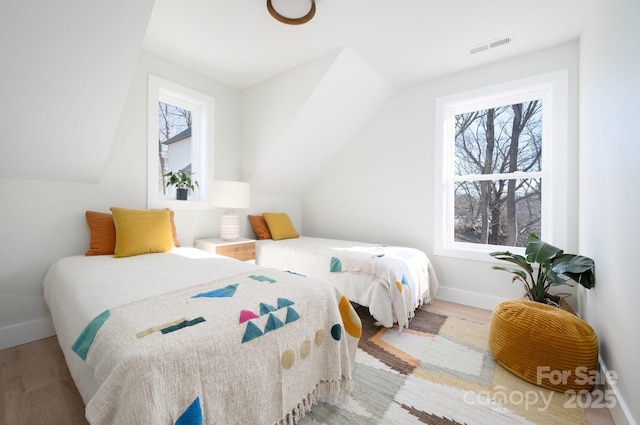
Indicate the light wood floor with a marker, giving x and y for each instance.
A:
(36, 388)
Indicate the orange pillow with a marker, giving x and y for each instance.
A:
(102, 233)
(260, 227)
(173, 229)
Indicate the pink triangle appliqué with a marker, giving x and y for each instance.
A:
(247, 315)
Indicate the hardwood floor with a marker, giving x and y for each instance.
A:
(594, 416)
(36, 387)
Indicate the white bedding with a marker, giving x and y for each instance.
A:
(368, 274)
(78, 289)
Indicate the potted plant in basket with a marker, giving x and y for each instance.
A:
(183, 183)
(554, 267)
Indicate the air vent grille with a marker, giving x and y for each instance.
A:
(490, 45)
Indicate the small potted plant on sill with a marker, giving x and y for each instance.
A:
(183, 183)
(554, 268)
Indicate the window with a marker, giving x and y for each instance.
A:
(180, 139)
(499, 172)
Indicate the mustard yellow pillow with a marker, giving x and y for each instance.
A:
(141, 231)
(102, 233)
(280, 226)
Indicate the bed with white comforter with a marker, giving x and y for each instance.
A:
(391, 281)
(188, 337)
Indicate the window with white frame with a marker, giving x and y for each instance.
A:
(499, 154)
(180, 126)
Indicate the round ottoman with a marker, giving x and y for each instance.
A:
(544, 345)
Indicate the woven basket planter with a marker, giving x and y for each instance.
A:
(544, 345)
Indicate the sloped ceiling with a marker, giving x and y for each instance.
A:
(296, 123)
(65, 73)
(238, 42)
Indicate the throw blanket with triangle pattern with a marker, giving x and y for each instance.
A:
(254, 348)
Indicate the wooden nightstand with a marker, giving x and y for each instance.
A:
(241, 249)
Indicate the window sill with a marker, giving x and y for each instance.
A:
(174, 204)
(476, 253)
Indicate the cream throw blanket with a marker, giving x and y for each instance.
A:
(391, 281)
(256, 348)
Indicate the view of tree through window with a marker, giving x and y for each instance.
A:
(174, 141)
(497, 179)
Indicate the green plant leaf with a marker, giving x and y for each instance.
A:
(517, 272)
(540, 252)
(554, 267)
(513, 258)
(576, 267)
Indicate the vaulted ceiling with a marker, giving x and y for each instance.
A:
(66, 66)
(405, 41)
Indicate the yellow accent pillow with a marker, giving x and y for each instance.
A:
(141, 231)
(280, 226)
(350, 319)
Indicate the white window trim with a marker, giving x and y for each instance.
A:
(553, 89)
(203, 129)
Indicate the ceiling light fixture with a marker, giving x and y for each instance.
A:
(286, 8)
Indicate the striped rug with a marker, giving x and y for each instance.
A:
(438, 372)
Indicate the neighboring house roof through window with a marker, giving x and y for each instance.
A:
(182, 135)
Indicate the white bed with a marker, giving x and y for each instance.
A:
(243, 344)
(391, 281)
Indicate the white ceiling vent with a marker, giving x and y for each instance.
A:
(490, 45)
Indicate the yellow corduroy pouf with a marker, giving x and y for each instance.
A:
(544, 345)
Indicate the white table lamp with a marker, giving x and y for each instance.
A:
(230, 195)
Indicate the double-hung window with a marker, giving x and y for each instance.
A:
(180, 126)
(499, 166)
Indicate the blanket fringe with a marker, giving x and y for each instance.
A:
(325, 388)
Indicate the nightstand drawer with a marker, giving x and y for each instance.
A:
(241, 251)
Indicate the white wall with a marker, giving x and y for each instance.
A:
(609, 176)
(64, 75)
(291, 133)
(380, 189)
(42, 221)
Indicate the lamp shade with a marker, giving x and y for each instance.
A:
(230, 194)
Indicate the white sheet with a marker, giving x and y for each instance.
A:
(311, 257)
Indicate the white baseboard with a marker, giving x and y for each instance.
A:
(473, 299)
(22, 333)
(620, 411)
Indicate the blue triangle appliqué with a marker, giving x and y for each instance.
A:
(251, 332)
(273, 323)
(191, 416)
(292, 315)
(266, 308)
(283, 302)
(226, 292)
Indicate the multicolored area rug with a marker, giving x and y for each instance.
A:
(438, 372)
